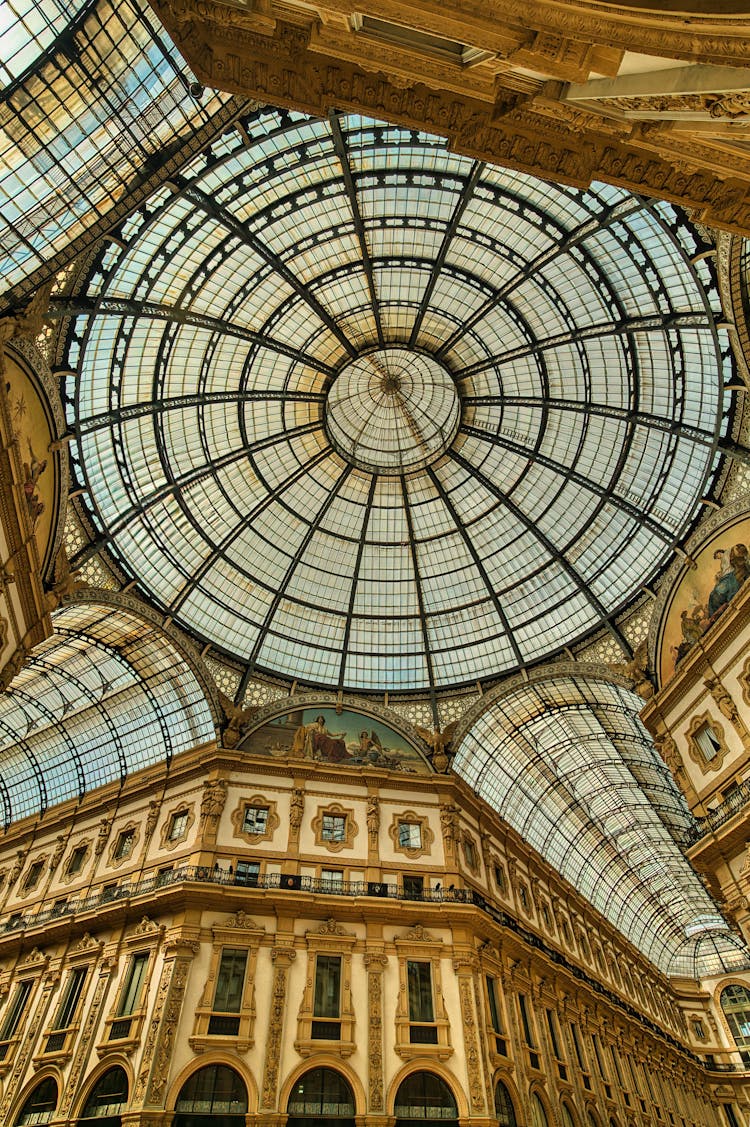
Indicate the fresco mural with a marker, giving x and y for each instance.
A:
(29, 420)
(349, 738)
(704, 593)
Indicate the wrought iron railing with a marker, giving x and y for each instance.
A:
(296, 884)
(732, 804)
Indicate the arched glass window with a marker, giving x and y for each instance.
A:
(214, 1096)
(538, 1114)
(424, 1096)
(40, 1105)
(593, 1121)
(322, 1094)
(567, 1116)
(107, 1100)
(504, 1110)
(735, 1002)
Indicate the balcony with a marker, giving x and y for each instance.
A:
(731, 805)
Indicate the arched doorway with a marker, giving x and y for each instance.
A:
(106, 1100)
(214, 1096)
(504, 1110)
(40, 1105)
(424, 1097)
(320, 1096)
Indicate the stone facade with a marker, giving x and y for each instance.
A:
(179, 879)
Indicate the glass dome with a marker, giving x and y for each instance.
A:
(364, 413)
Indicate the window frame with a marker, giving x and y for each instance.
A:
(239, 819)
(238, 933)
(330, 940)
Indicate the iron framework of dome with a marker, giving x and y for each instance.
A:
(364, 413)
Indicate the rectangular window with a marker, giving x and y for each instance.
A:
(66, 1010)
(419, 981)
(579, 1055)
(247, 872)
(597, 1053)
(410, 835)
(228, 994)
(413, 887)
(32, 876)
(255, 820)
(553, 1038)
(331, 879)
(59, 906)
(525, 1022)
(15, 1009)
(125, 843)
(334, 827)
(616, 1066)
(500, 878)
(708, 742)
(77, 857)
(326, 1025)
(133, 985)
(470, 853)
(494, 1006)
(129, 996)
(178, 825)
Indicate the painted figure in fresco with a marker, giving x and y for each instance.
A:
(734, 569)
(319, 743)
(728, 584)
(32, 471)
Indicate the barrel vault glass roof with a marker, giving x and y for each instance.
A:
(568, 764)
(92, 96)
(102, 697)
(362, 412)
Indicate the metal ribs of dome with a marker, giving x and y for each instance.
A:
(577, 333)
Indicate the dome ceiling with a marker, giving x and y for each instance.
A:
(365, 413)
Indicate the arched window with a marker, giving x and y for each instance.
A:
(567, 1116)
(504, 1110)
(320, 1096)
(424, 1096)
(214, 1096)
(735, 1002)
(40, 1105)
(538, 1114)
(107, 1100)
(593, 1121)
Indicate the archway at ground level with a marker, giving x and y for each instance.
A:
(424, 1098)
(320, 1096)
(214, 1096)
(106, 1100)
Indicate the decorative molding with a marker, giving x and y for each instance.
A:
(133, 826)
(707, 766)
(351, 829)
(272, 821)
(375, 964)
(282, 958)
(182, 808)
(425, 833)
